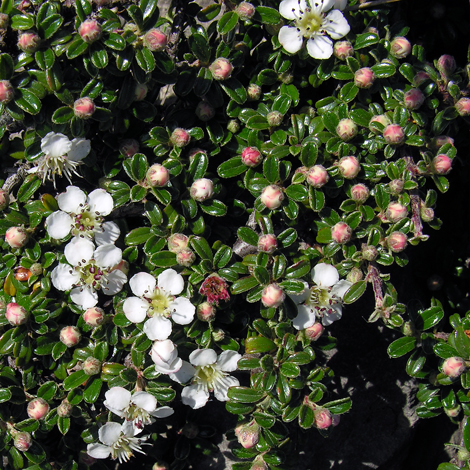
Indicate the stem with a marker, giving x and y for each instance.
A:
(370, 4)
(373, 276)
(416, 214)
(178, 27)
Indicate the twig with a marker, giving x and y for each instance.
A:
(16, 177)
(177, 29)
(370, 4)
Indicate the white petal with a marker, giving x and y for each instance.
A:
(336, 25)
(164, 351)
(98, 451)
(100, 201)
(135, 309)
(325, 275)
(114, 282)
(170, 281)
(228, 361)
(142, 283)
(129, 430)
(84, 296)
(70, 200)
(80, 148)
(157, 328)
(340, 4)
(58, 225)
(55, 145)
(184, 311)
(110, 433)
(170, 368)
(327, 5)
(220, 392)
(109, 234)
(107, 256)
(303, 296)
(340, 288)
(320, 47)
(162, 412)
(79, 250)
(184, 374)
(145, 401)
(64, 277)
(193, 397)
(305, 317)
(336, 314)
(117, 398)
(290, 9)
(291, 39)
(203, 357)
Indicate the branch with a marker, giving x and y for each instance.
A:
(178, 27)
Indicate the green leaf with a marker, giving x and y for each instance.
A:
(50, 25)
(30, 184)
(209, 13)
(248, 235)
(22, 21)
(271, 168)
(228, 22)
(289, 369)
(245, 394)
(199, 46)
(355, 292)
(234, 90)
(47, 390)
(306, 417)
(401, 346)
(202, 248)
(365, 40)
(92, 389)
(297, 192)
(76, 48)
(138, 236)
(361, 117)
(415, 364)
(383, 70)
(28, 101)
(267, 15)
(75, 379)
(164, 259)
(257, 122)
(462, 343)
(348, 92)
(238, 409)
(7, 67)
(244, 284)
(145, 59)
(213, 207)
(287, 237)
(340, 406)
(62, 115)
(430, 317)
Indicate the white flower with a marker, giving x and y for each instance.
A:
(323, 300)
(118, 441)
(208, 373)
(83, 216)
(315, 20)
(156, 299)
(165, 356)
(88, 271)
(139, 407)
(61, 156)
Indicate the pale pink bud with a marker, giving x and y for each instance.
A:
(94, 316)
(426, 213)
(64, 410)
(29, 41)
(233, 126)
(364, 78)
(202, 189)
(140, 91)
(84, 108)
(91, 366)
(245, 11)
(396, 212)
(360, 193)
(440, 140)
(381, 119)
(251, 156)
(369, 252)
(272, 296)
(394, 135)
(22, 441)
(343, 49)
(254, 92)
(206, 312)
(341, 232)
(7, 92)
(177, 242)
(420, 78)
(180, 137)
(205, 111)
(355, 275)
(16, 314)
(218, 334)
(155, 40)
(317, 176)
(16, 237)
(453, 366)
(274, 118)
(396, 186)
(441, 165)
(4, 21)
(129, 147)
(413, 99)
(36, 269)
(90, 31)
(463, 106)
(157, 176)
(400, 47)
(323, 418)
(272, 196)
(346, 129)
(221, 69)
(185, 257)
(70, 336)
(286, 77)
(349, 167)
(397, 242)
(37, 408)
(453, 412)
(314, 332)
(446, 65)
(267, 243)
(160, 466)
(248, 434)
(4, 199)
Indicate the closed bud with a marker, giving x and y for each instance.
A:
(413, 99)
(94, 316)
(180, 137)
(381, 119)
(394, 135)
(396, 186)
(349, 167)
(286, 78)
(272, 296)
(4, 21)
(259, 464)
(233, 126)
(202, 189)
(323, 418)
(160, 466)
(463, 454)
(396, 212)
(70, 336)
(453, 412)
(267, 243)
(419, 78)
(155, 40)
(22, 274)
(453, 367)
(157, 176)
(253, 92)
(343, 49)
(360, 193)
(29, 41)
(64, 410)
(446, 65)
(426, 213)
(341, 232)
(396, 242)
(218, 335)
(440, 140)
(314, 332)
(463, 106)
(355, 275)
(37, 408)
(7, 92)
(36, 269)
(22, 441)
(251, 156)
(83, 108)
(441, 165)
(221, 69)
(206, 312)
(140, 91)
(245, 11)
(16, 314)
(248, 434)
(90, 31)
(274, 118)
(205, 111)
(369, 252)
(346, 129)
(16, 237)
(400, 47)
(185, 257)
(177, 242)
(272, 196)
(91, 366)
(364, 78)
(129, 147)
(317, 176)
(4, 199)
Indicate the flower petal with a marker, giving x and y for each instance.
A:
(325, 275)
(340, 288)
(63, 277)
(79, 149)
(336, 25)
(98, 451)
(220, 392)
(327, 5)
(58, 225)
(55, 145)
(100, 201)
(335, 314)
(305, 317)
(117, 398)
(84, 296)
(184, 374)
(320, 47)
(203, 357)
(71, 200)
(162, 412)
(135, 309)
(194, 397)
(291, 39)
(109, 234)
(109, 433)
(228, 361)
(340, 4)
(107, 256)
(184, 311)
(157, 328)
(145, 401)
(290, 9)
(303, 296)
(114, 282)
(142, 283)
(171, 282)
(79, 250)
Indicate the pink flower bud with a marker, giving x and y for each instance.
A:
(94, 316)
(413, 99)
(441, 140)
(364, 78)
(90, 31)
(157, 176)
(274, 118)
(129, 147)
(4, 199)
(317, 176)
(206, 312)
(177, 242)
(355, 275)
(272, 296)
(453, 366)
(323, 418)
(218, 334)
(64, 410)
(185, 257)
(396, 212)
(254, 92)
(341, 232)
(155, 40)
(84, 108)
(221, 69)
(251, 156)
(22, 441)
(343, 49)
(397, 242)
(91, 366)
(70, 336)
(215, 288)
(369, 252)
(463, 106)
(29, 41)
(140, 91)
(453, 412)
(446, 65)
(180, 137)
(441, 165)
(360, 193)
(314, 332)
(37, 408)
(4, 21)
(248, 434)
(349, 167)
(233, 126)
(381, 119)
(346, 129)
(426, 213)
(16, 314)
(267, 243)
(205, 111)
(400, 47)
(202, 189)
(16, 237)
(245, 11)
(394, 135)
(160, 466)
(272, 196)
(396, 186)
(7, 92)
(420, 78)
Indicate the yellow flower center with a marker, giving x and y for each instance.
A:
(320, 297)
(206, 377)
(160, 303)
(86, 223)
(309, 24)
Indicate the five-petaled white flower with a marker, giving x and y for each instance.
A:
(118, 441)
(83, 216)
(61, 156)
(88, 271)
(315, 20)
(323, 300)
(165, 356)
(139, 407)
(156, 299)
(208, 373)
